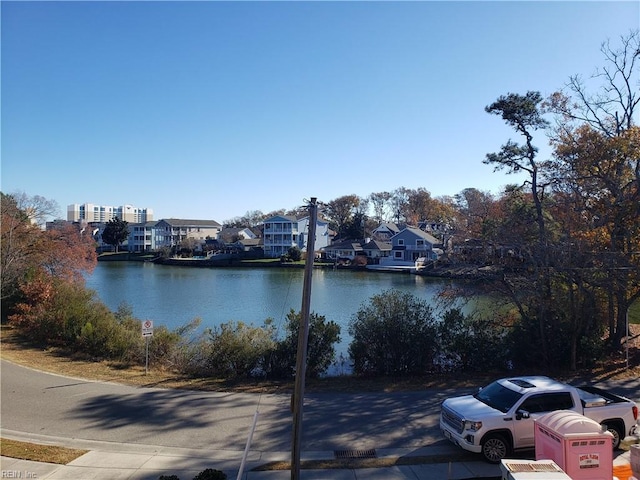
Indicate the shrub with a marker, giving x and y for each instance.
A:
(211, 474)
(32, 316)
(470, 345)
(322, 338)
(67, 314)
(236, 349)
(294, 254)
(395, 334)
(173, 348)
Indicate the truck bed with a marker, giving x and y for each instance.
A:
(596, 397)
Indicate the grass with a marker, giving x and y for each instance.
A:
(39, 453)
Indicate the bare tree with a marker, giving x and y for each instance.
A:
(611, 108)
(380, 204)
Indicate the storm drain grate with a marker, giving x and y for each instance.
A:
(355, 453)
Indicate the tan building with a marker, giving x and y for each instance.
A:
(89, 212)
(170, 232)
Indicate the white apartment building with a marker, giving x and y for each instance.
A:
(283, 232)
(89, 212)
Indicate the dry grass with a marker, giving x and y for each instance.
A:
(39, 453)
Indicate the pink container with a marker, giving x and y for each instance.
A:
(579, 445)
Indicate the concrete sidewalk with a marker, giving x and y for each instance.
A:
(107, 461)
(101, 465)
(117, 461)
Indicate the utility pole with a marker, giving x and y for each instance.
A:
(303, 337)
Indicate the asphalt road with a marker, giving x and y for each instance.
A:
(46, 404)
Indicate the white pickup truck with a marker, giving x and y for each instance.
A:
(500, 417)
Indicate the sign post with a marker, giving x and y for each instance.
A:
(147, 333)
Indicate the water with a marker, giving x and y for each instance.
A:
(173, 296)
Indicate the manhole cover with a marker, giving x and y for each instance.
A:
(355, 453)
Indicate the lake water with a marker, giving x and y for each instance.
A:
(173, 295)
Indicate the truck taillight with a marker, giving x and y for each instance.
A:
(635, 412)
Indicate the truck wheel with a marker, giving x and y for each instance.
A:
(495, 448)
(617, 435)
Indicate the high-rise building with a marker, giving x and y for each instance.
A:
(89, 212)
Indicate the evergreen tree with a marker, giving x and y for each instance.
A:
(115, 232)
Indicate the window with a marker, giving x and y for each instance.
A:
(401, 241)
(497, 396)
(547, 402)
(419, 243)
(397, 255)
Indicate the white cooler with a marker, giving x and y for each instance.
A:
(531, 470)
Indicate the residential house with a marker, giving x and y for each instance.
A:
(95, 229)
(410, 244)
(440, 230)
(142, 237)
(376, 249)
(323, 235)
(346, 249)
(233, 234)
(172, 231)
(282, 232)
(249, 244)
(385, 231)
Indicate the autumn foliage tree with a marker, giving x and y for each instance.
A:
(574, 224)
(597, 155)
(39, 265)
(17, 249)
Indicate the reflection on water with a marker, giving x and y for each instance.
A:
(173, 296)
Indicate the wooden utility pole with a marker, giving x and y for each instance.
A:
(303, 337)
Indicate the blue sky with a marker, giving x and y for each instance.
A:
(207, 110)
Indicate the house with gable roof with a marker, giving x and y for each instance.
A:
(280, 233)
(409, 245)
(233, 234)
(377, 249)
(385, 231)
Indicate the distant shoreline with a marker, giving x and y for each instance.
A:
(462, 272)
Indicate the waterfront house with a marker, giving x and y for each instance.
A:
(249, 245)
(376, 249)
(142, 237)
(282, 232)
(323, 234)
(233, 234)
(172, 231)
(346, 249)
(279, 235)
(385, 231)
(409, 245)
